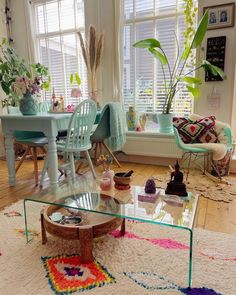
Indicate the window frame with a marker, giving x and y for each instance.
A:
(133, 22)
(60, 34)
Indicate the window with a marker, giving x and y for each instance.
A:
(143, 78)
(57, 23)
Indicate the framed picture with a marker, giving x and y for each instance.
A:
(220, 16)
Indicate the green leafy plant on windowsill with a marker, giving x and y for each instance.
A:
(74, 77)
(175, 77)
(13, 67)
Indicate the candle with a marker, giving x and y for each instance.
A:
(105, 184)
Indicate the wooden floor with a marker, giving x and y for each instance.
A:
(215, 216)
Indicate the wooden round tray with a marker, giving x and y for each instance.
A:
(92, 226)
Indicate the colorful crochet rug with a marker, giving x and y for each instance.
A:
(149, 259)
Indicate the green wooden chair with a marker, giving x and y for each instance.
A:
(78, 138)
(31, 141)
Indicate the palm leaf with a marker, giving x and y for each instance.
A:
(148, 43)
(213, 69)
(71, 78)
(77, 78)
(195, 91)
(161, 57)
(201, 31)
(192, 80)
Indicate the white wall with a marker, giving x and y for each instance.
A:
(224, 88)
(3, 34)
(19, 30)
(100, 13)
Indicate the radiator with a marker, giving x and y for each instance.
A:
(151, 144)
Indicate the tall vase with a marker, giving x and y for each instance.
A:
(131, 118)
(165, 123)
(28, 105)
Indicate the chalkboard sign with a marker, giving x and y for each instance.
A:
(215, 55)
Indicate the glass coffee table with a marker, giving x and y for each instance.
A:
(85, 196)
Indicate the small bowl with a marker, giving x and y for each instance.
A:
(120, 180)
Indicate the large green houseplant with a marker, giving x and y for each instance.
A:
(180, 74)
(13, 67)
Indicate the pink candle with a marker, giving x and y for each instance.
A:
(105, 184)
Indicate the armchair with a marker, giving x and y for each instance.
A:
(210, 151)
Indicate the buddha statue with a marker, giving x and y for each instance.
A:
(176, 185)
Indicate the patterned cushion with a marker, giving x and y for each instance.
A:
(200, 131)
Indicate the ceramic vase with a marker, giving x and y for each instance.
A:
(165, 123)
(28, 105)
(131, 118)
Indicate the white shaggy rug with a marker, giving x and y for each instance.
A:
(149, 259)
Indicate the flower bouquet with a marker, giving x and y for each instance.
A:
(29, 88)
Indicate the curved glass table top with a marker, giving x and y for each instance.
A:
(83, 195)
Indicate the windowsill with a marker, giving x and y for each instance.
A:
(149, 133)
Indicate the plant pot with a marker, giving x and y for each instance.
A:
(28, 105)
(165, 123)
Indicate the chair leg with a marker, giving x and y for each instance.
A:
(36, 175)
(43, 150)
(27, 151)
(95, 153)
(216, 169)
(100, 148)
(72, 165)
(90, 164)
(45, 167)
(78, 168)
(111, 153)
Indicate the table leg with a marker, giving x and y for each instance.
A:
(52, 161)
(122, 228)
(43, 230)
(190, 258)
(86, 245)
(26, 224)
(10, 156)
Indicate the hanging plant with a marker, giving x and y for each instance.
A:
(190, 12)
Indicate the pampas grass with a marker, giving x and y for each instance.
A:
(92, 52)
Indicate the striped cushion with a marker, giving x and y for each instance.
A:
(199, 131)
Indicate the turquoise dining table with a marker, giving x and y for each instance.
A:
(48, 123)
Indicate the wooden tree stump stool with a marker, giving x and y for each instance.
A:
(92, 226)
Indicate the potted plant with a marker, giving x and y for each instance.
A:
(175, 77)
(13, 67)
(27, 89)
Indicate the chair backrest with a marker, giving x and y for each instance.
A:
(102, 131)
(80, 125)
(229, 137)
(178, 140)
(23, 135)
